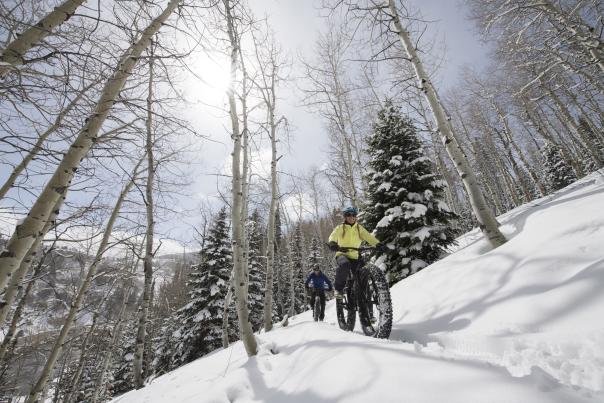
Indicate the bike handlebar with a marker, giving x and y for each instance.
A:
(361, 249)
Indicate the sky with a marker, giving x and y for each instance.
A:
(296, 24)
(520, 323)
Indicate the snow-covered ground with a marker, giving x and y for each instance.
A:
(522, 323)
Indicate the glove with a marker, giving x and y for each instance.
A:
(333, 245)
(381, 248)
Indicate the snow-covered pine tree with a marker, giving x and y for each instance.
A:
(297, 246)
(280, 281)
(164, 342)
(123, 377)
(314, 254)
(558, 172)
(256, 259)
(284, 279)
(405, 201)
(199, 328)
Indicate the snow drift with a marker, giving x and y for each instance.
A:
(522, 323)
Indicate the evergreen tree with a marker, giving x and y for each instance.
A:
(123, 377)
(256, 271)
(297, 244)
(405, 201)
(314, 254)
(199, 323)
(558, 172)
(163, 343)
(280, 280)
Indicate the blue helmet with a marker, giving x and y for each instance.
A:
(350, 210)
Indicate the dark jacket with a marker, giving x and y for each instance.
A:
(319, 281)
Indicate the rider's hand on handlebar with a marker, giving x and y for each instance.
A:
(334, 246)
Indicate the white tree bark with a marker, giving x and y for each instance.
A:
(41, 212)
(485, 216)
(149, 236)
(270, 263)
(79, 298)
(240, 280)
(11, 330)
(13, 54)
(16, 280)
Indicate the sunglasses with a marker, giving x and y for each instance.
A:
(350, 215)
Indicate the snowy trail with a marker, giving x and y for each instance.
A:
(522, 323)
(317, 362)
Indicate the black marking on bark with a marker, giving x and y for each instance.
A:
(61, 189)
(7, 253)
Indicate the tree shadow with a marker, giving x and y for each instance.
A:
(421, 332)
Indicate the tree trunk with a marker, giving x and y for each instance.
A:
(11, 331)
(225, 313)
(484, 215)
(42, 211)
(148, 260)
(78, 299)
(240, 280)
(14, 52)
(16, 279)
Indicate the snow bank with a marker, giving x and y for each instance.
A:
(521, 323)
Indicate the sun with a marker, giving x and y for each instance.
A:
(213, 78)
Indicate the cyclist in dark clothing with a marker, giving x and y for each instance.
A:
(317, 283)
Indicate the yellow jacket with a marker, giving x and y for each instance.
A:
(351, 236)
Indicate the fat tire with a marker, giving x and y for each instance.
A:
(378, 288)
(346, 315)
(316, 309)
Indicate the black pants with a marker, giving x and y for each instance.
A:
(345, 265)
(314, 293)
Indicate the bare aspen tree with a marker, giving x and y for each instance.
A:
(533, 27)
(17, 278)
(239, 278)
(270, 64)
(14, 53)
(149, 234)
(484, 215)
(79, 298)
(245, 190)
(11, 330)
(327, 91)
(42, 211)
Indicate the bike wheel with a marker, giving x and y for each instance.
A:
(375, 309)
(316, 309)
(346, 312)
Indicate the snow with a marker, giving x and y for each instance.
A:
(414, 210)
(384, 187)
(521, 323)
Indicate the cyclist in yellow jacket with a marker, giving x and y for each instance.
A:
(348, 234)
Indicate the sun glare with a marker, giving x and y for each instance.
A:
(214, 78)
